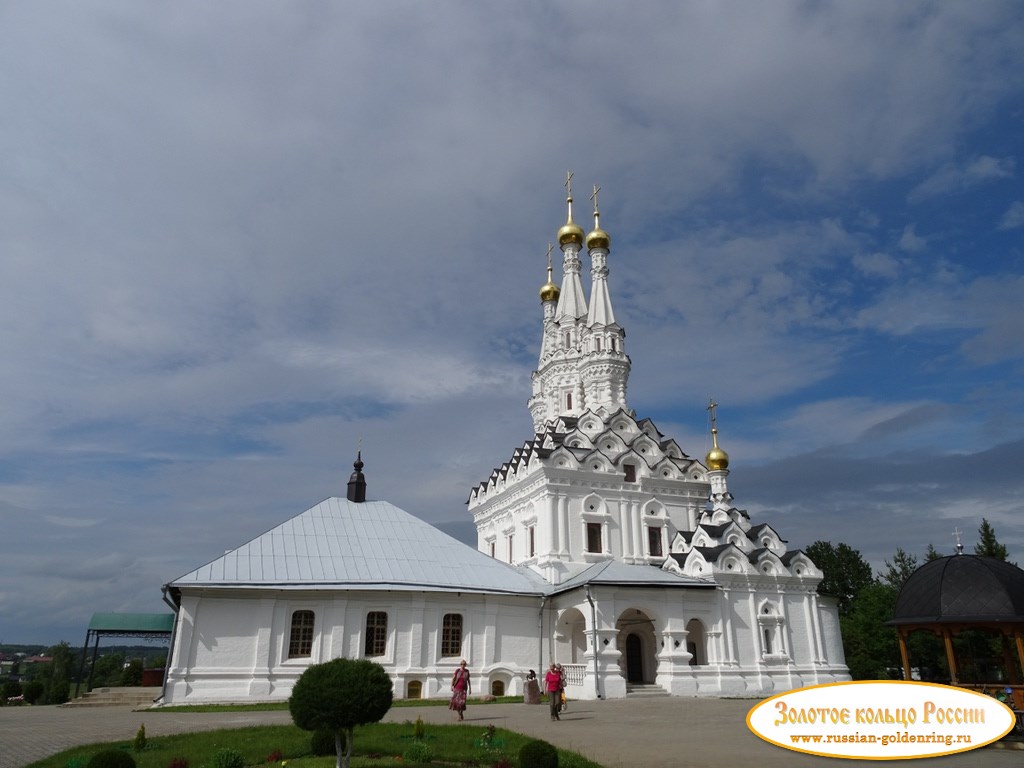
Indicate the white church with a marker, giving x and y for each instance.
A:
(601, 545)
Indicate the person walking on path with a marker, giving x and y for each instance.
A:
(553, 685)
(460, 689)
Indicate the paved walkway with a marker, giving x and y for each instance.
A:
(653, 733)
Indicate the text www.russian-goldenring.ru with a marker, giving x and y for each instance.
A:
(884, 740)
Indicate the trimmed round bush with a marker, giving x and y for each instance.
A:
(322, 744)
(538, 754)
(111, 758)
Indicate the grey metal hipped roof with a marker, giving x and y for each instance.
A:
(615, 573)
(369, 545)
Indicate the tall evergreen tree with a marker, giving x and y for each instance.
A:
(846, 572)
(988, 544)
(898, 571)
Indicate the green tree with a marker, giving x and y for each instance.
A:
(132, 674)
(988, 544)
(931, 554)
(898, 571)
(845, 570)
(56, 677)
(339, 695)
(872, 650)
(108, 670)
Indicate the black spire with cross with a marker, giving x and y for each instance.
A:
(357, 483)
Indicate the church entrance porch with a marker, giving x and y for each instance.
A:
(636, 641)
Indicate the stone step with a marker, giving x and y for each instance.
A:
(117, 697)
(644, 690)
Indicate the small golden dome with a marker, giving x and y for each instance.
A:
(549, 291)
(571, 232)
(598, 238)
(717, 459)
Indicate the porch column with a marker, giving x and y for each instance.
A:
(675, 674)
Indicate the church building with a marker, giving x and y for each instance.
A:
(601, 545)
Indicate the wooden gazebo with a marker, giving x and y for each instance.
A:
(951, 595)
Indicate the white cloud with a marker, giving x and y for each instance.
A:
(877, 265)
(910, 241)
(235, 244)
(957, 178)
(1014, 216)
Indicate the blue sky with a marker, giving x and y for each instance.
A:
(240, 240)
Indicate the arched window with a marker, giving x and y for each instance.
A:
(376, 633)
(300, 643)
(451, 635)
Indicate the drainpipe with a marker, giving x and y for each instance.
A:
(174, 635)
(540, 633)
(593, 630)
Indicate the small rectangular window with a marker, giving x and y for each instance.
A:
(594, 537)
(511, 543)
(300, 642)
(630, 470)
(533, 540)
(451, 635)
(654, 541)
(376, 633)
(492, 548)
(568, 401)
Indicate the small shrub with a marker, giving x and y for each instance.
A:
(228, 758)
(322, 744)
(111, 758)
(132, 674)
(139, 744)
(538, 754)
(33, 691)
(419, 730)
(178, 762)
(418, 752)
(11, 690)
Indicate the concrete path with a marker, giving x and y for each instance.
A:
(652, 733)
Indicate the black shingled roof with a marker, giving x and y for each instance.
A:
(961, 588)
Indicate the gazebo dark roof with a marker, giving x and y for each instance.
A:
(961, 589)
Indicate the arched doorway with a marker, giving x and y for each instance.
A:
(634, 658)
(696, 643)
(637, 644)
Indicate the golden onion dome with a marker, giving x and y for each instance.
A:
(549, 291)
(717, 459)
(598, 238)
(571, 232)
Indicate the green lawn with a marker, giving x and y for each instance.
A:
(380, 744)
